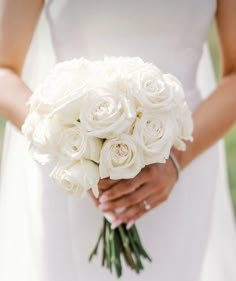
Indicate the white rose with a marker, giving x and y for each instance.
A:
(106, 113)
(155, 132)
(31, 122)
(65, 79)
(176, 88)
(68, 111)
(152, 89)
(77, 178)
(184, 126)
(75, 144)
(42, 135)
(120, 158)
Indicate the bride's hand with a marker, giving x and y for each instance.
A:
(150, 187)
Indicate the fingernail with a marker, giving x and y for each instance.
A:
(103, 207)
(119, 210)
(109, 216)
(130, 224)
(103, 198)
(116, 223)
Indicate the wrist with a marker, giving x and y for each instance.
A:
(176, 165)
(178, 155)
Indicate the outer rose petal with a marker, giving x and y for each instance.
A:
(120, 158)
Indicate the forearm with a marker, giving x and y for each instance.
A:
(13, 97)
(212, 119)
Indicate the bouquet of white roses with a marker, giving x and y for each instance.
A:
(108, 118)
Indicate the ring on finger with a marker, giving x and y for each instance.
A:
(146, 205)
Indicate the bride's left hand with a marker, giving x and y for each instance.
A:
(150, 187)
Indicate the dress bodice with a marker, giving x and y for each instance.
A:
(168, 33)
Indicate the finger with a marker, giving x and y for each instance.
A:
(95, 200)
(106, 183)
(110, 216)
(123, 187)
(135, 212)
(130, 212)
(128, 200)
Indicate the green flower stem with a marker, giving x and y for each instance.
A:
(127, 250)
(104, 256)
(108, 247)
(94, 251)
(139, 243)
(117, 254)
(121, 247)
(117, 242)
(114, 252)
(135, 250)
(113, 249)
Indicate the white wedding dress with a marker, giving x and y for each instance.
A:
(46, 235)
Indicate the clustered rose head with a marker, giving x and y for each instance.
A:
(108, 118)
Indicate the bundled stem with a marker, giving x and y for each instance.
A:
(117, 242)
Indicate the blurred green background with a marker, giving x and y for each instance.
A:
(230, 139)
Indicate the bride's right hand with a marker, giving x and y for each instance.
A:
(18, 20)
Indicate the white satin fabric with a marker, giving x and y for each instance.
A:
(46, 235)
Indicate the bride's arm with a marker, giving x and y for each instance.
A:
(17, 23)
(212, 120)
(218, 113)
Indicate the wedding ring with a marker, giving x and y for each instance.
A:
(146, 205)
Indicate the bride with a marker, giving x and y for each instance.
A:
(189, 230)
